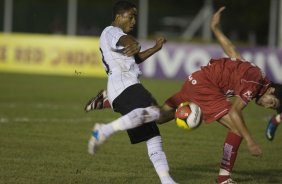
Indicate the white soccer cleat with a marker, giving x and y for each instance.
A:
(96, 139)
(228, 181)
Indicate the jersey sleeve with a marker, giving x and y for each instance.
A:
(252, 85)
(113, 37)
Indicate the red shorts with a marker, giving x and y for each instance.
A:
(213, 103)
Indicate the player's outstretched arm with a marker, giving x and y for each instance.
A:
(225, 43)
(142, 56)
(166, 114)
(237, 118)
(132, 48)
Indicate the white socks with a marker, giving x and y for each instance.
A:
(131, 120)
(134, 119)
(158, 158)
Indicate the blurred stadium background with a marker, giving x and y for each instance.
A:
(61, 37)
(251, 22)
(50, 66)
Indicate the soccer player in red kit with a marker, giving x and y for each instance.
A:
(211, 87)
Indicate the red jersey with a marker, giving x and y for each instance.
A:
(211, 87)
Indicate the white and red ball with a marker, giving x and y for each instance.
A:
(188, 115)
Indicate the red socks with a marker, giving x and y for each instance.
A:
(230, 148)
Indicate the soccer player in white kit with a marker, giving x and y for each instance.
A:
(120, 56)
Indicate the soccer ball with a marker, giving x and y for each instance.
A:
(188, 115)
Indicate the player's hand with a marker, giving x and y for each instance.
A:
(216, 18)
(132, 49)
(160, 41)
(254, 149)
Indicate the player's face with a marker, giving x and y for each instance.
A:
(127, 20)
(269, 101)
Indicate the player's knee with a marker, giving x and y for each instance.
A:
(145, 115)
(137, 114)
(151, 113)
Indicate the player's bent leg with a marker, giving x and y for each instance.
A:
(158, 158)
(272, 126)
(100, 101)
(136, 118)
(230, 149)
(131, 120)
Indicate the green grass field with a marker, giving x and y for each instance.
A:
(44, 133)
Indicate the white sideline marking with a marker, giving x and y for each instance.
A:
(42, 120)
(4, 120)
(45, 106)
(12, 105)
(53, 120)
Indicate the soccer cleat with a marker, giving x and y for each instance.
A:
(228, 181)
(271, 129)
(96, 139)
(96, 102)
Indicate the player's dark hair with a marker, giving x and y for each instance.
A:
(122, 6)
(278, 94)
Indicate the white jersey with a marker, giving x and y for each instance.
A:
(122, 70)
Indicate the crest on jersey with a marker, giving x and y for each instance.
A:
(248, 94)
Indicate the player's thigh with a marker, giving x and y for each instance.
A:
(135, 96)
